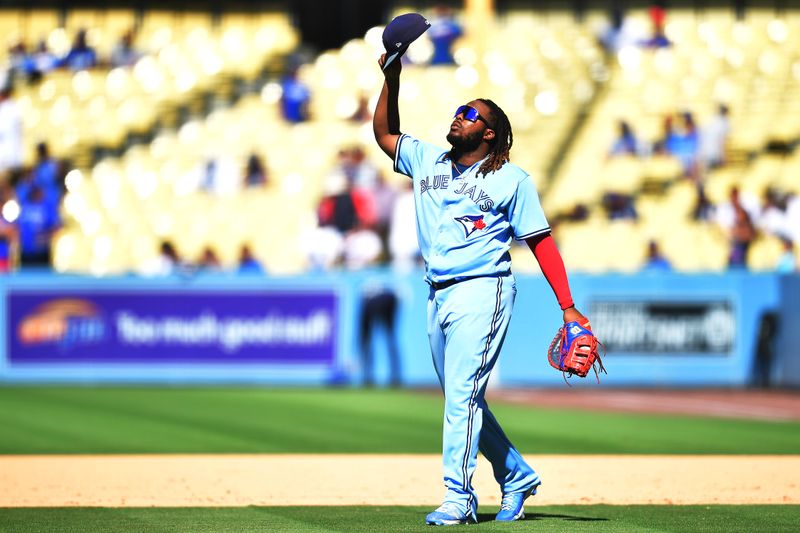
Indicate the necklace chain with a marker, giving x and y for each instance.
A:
(455, 168)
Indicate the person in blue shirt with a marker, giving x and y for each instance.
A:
(655, 261)
(295, 98)
(38, 220)
(81, 56)
(471, 202)
(443, 33)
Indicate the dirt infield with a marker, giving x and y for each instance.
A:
(749, 404)
(240, 480)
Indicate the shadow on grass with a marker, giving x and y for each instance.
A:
(488, 517)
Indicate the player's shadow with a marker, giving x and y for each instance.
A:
(488, 517)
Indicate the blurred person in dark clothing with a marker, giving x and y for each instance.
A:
(255, 173)
(619, 206)
(81, 56)
(703, 208)
(379, 311)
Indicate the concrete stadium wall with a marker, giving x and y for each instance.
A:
(661, 329)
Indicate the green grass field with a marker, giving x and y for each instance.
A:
(574, 518)
(39, 420)
(42, 420)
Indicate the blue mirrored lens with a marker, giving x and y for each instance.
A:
(470, 113)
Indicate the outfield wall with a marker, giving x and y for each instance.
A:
(660, 329)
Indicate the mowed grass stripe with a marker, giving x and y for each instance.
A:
(38, 420)
(593, 518)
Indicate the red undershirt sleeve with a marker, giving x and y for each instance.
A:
(552, 265)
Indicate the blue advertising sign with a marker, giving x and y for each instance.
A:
(264, 327)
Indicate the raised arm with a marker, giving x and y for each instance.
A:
(386, 119)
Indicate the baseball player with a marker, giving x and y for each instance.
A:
(470, 202)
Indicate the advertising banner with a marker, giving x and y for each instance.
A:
(214, 327)
(665, 327)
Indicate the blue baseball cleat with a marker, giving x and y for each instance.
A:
(449, 514)
(511, 507)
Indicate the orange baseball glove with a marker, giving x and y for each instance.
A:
(574, 350)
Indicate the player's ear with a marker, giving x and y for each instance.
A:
(488, 135)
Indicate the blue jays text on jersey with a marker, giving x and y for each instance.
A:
(442, 181)
(506, 199)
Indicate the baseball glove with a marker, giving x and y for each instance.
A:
(574, 350)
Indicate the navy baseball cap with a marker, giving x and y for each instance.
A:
(400, 33)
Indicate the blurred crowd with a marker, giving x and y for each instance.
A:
(363, 217)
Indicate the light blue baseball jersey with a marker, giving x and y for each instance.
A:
(465, 223)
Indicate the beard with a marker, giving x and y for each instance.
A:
(465, 143)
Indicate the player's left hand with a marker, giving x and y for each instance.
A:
(571, 314)
(574, 349)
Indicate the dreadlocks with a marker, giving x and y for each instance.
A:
(503, 139)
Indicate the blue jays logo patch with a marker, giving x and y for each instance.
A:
(471, 223)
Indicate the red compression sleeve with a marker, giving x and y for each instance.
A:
(552, 267)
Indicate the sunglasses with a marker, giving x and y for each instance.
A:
(471, 114)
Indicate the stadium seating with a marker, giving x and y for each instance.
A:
(563, 93)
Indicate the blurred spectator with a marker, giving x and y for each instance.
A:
(383, 196)
(714, 138)
(38, 220)
(787, 262)
(619, 206)
(655, 261)
(356, 168)
(667, 144)
(403, 245)
(44, 60)
(248, 264)
(220, 175)
(742, 234)
(10, 128)
(295, 98)
(379, 311)
(209, 262)
(686, 145)
(793, 216)
(8, 231)
(725, 213)
(46, 172)
(362, 247)
(703, 208)
(324, 247)
(337, 208)
(363, 112)
(20, 63)
(772, 217)
(345, 206)
(255, 173)
(620, 32)
(166, 263)
(625, 143)
(124, 54)
(658, 39)
(81, 56)
(443, 33)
